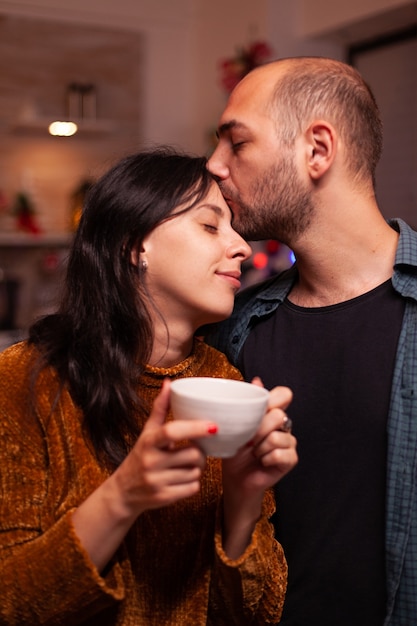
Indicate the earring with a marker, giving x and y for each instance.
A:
(144, 265)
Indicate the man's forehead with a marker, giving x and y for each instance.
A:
(254, 92)
(245, 109)
(263, 78)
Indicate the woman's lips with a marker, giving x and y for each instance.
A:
(232, 277)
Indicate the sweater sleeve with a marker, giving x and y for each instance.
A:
(49, 580)
(46, 576)
(251, 589)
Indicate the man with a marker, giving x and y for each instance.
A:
(299, 142)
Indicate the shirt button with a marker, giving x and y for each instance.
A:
(235, 339)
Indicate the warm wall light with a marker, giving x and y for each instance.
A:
(63, 129)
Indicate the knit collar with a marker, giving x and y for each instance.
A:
(153, 376)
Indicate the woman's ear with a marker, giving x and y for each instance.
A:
(134, 257)
(321, 148)
(137, 257)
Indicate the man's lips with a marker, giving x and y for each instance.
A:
(226, 193)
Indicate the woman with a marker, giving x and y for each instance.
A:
(109, 513)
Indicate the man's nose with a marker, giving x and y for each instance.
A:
(217, 166)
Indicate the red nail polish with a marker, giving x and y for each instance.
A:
(212, 430)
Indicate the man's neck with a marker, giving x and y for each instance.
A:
(344, 266)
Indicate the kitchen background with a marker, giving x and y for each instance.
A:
(148, 72)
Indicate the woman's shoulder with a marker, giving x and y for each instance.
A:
(20, 367)
(16, 407)
(17, 358)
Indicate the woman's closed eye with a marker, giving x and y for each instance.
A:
(211, 228)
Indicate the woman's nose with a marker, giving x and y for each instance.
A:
(240, 248)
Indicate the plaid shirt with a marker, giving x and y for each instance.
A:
(401, 498)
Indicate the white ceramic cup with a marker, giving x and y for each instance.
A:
(235, 406)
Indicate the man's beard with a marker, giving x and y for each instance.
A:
(279, 207)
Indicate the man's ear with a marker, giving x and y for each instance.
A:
(321, 148)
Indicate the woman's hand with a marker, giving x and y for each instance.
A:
(256, 467)
(271, 453)
(157, 472)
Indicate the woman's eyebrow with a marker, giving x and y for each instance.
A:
(214, 207)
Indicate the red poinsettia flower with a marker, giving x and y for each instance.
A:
(25, 215)
(234, 69)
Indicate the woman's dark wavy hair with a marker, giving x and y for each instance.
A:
(101, 336)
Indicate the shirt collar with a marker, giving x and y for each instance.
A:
(405, 266)
(277, 290)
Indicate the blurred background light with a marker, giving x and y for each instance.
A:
(63, 129)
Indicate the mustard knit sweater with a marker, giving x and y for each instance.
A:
(170, 570)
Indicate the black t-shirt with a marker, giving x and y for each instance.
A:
(338, 360)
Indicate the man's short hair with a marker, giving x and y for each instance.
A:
(314, 87)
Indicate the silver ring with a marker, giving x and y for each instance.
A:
(286, 426)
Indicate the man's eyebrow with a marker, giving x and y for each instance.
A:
(227, 126)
